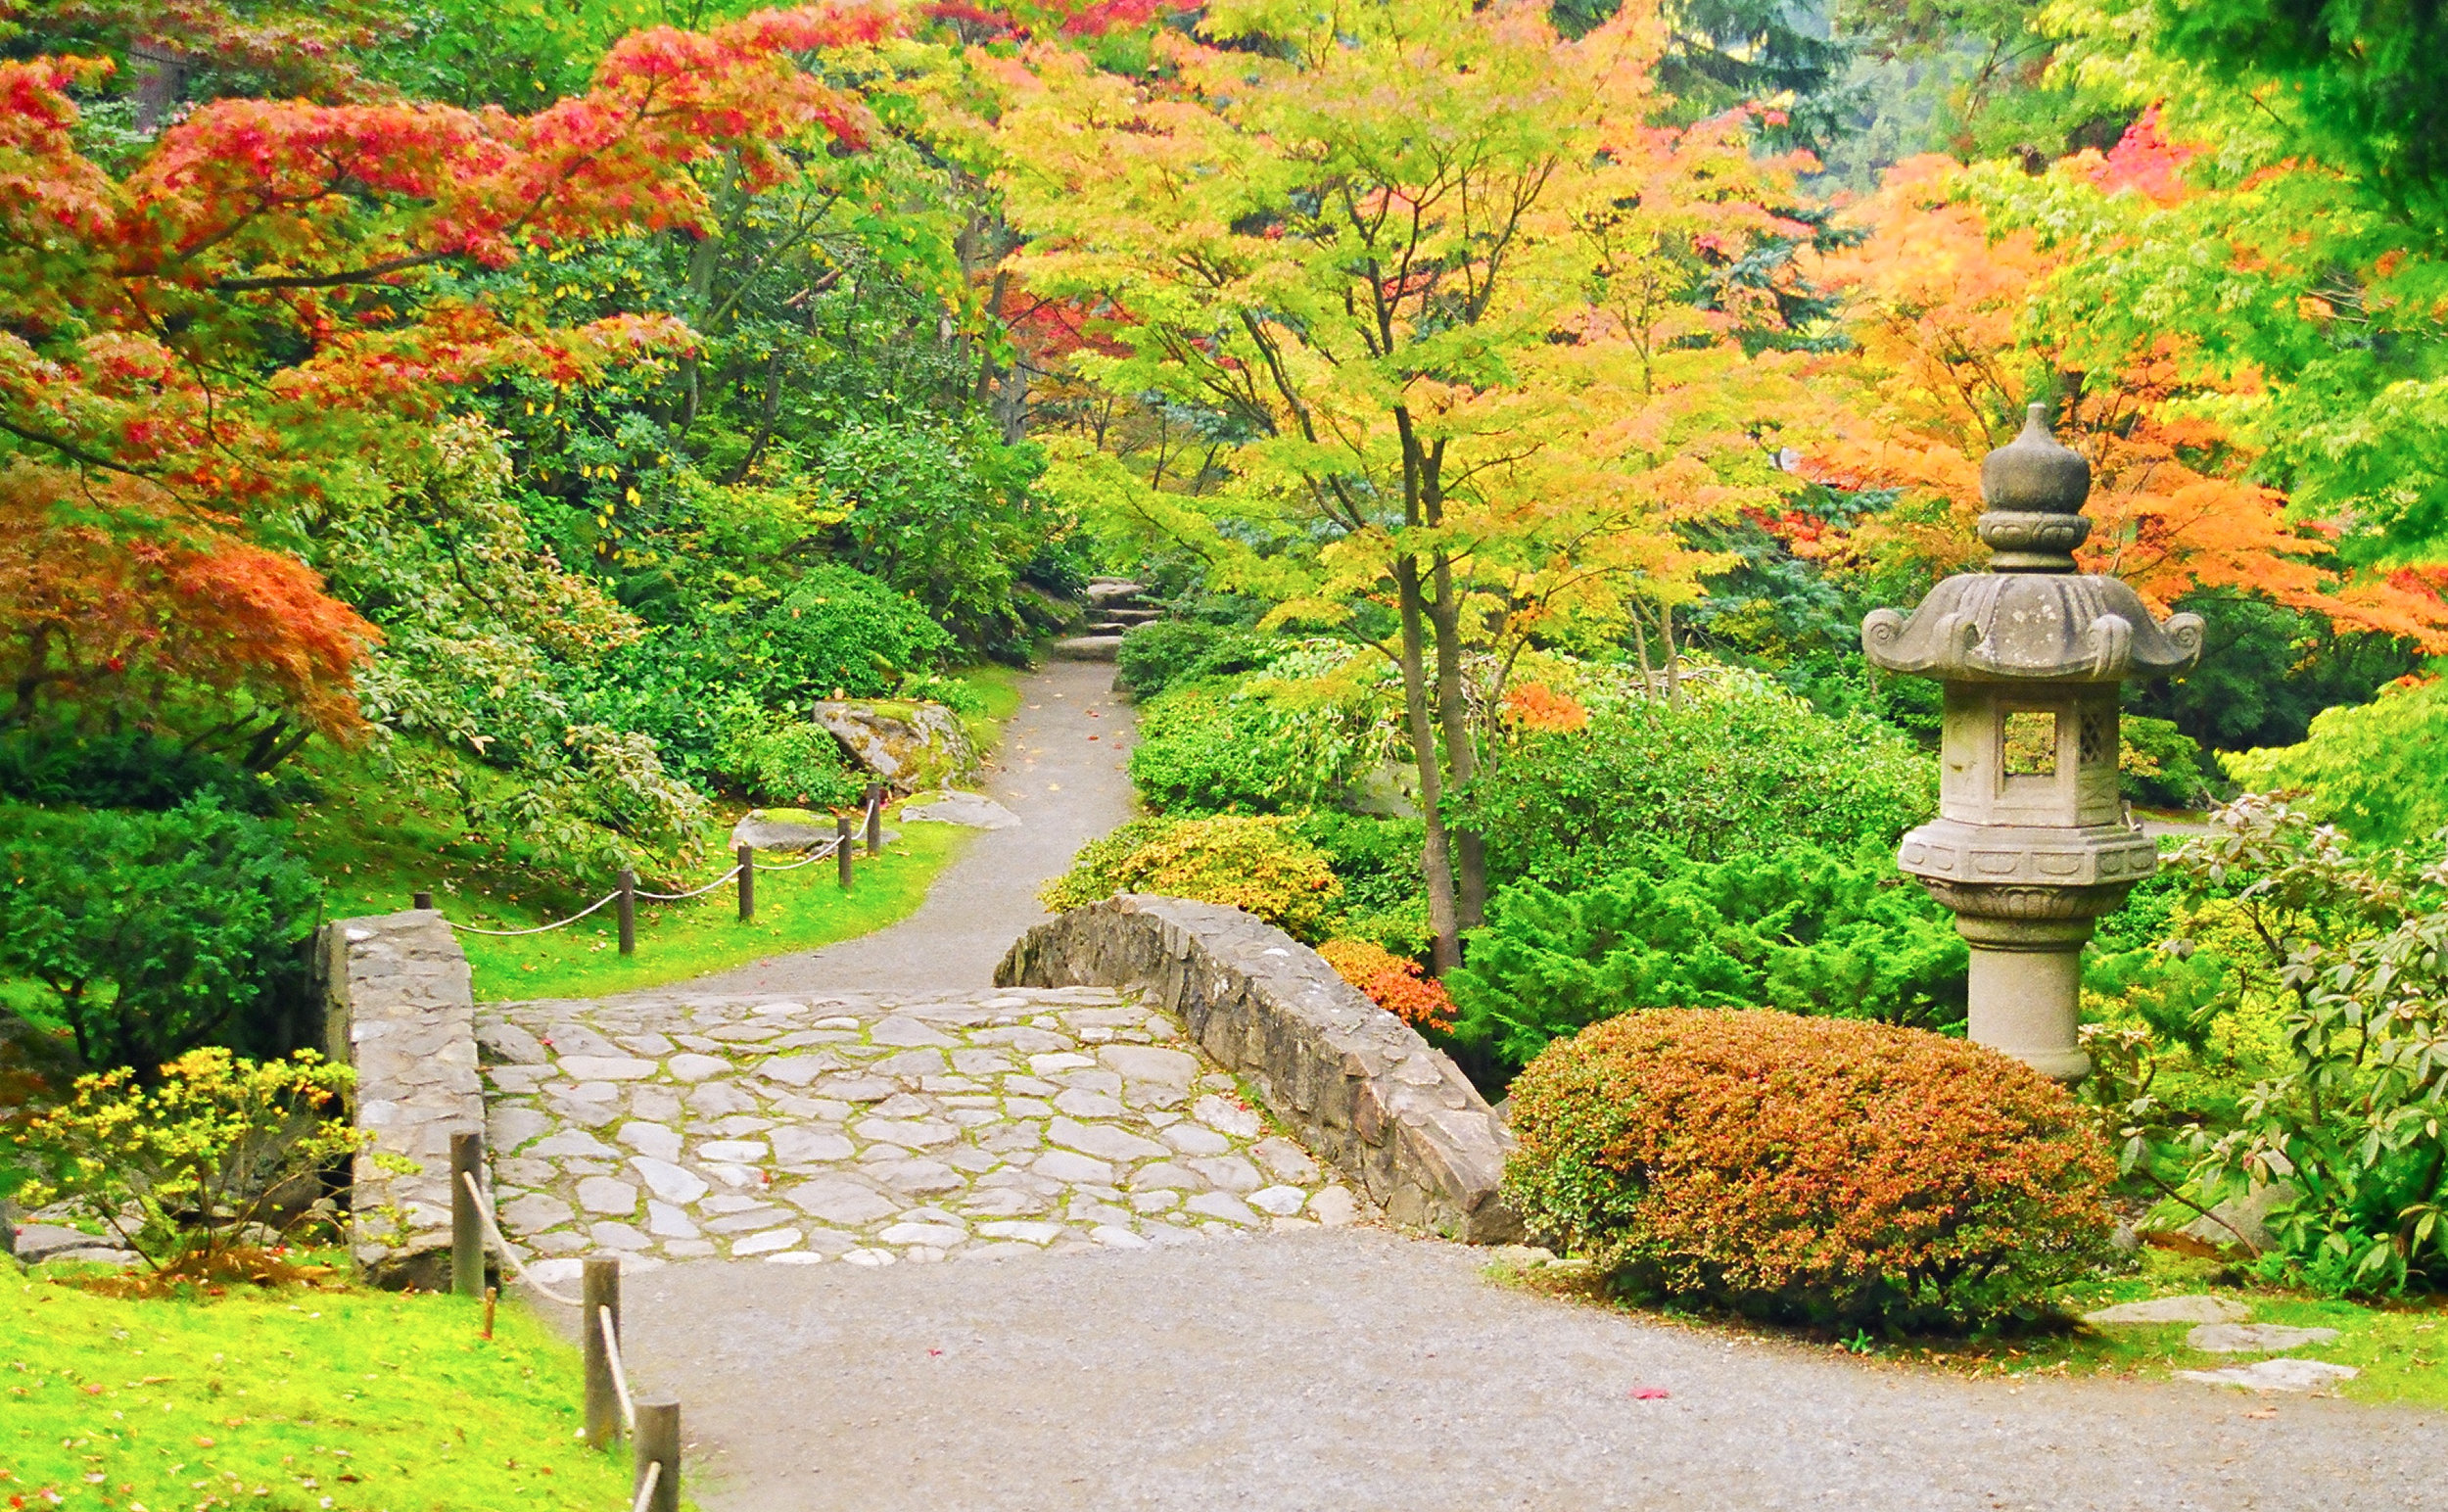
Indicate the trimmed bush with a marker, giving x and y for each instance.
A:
(1254, 863)
(1162, 653)
(1739, 766)
(1809, 1169)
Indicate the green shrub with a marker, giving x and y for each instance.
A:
(1377, 862)
(1811, 1169)
(1737, 766)
(2358, 946)
(935, 688)
(1259, 865)
(2161, 766)
(136, 770)
(151, 935)
(838, 629)
(1268, 746)
(2377, 771)
(775, 759)
(1800, 930)
(1164, 653)
(942, 513)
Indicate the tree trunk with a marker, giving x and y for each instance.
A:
(1454, 715)
(1435, 862)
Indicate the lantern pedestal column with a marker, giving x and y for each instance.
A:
(2026, 985)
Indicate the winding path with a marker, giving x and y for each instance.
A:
(1353, 1369)
(1062, 769)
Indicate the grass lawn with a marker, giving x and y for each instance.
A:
(797, 910)
(374, 848)
(289, 1400)
(2401, 1351)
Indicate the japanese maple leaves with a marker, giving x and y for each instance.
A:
(193, 353)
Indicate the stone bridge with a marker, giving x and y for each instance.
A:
(1173, 1069)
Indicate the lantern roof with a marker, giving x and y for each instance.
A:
(2032, 616)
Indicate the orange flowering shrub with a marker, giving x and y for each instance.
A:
(1393, 982)
(1818, 1169)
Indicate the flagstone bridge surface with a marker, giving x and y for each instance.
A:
(1154, 1301)
(874, 1129)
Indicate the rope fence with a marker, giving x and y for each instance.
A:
(840, 847)
(651, 1423)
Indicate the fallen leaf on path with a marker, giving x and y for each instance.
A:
(1647, 1393)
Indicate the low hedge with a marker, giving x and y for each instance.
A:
(1809, 1169)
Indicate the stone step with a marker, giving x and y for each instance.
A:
(1097, 648)
(1113, 616)
(1108, 591)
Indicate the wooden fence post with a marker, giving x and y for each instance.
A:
(600, 1288)
(629, 911)
(874, 819)
(747, 883)
(841, 848)
(658, 1443)
(467, 1225)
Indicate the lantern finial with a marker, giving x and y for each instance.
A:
(2034, 489)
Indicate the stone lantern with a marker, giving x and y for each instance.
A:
(2031, 845)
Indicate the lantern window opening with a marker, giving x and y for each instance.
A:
(2029, 741)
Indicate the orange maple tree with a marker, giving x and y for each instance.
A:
(260, 312)
(1950, 340)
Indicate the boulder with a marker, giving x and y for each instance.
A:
(954, 806)
(2243, 1220)
(782, 829)
(909, 746)
(2193, 1308)
(2254, 1337)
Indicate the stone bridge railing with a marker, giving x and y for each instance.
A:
(1359, 1086)
(399, 1006)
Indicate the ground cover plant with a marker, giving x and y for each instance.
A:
(302, 1398)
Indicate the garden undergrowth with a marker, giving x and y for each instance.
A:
(2400, 1350)
(298, 1399)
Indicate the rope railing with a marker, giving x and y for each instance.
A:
(693, 892)
(744, 870)
(619, 1377)
(501, 1246)
(653, 1424)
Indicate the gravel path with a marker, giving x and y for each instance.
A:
(1355, 1369)
(1062, 769)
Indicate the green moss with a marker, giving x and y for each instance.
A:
(355, 1400)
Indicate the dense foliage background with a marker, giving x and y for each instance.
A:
(482, 432)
